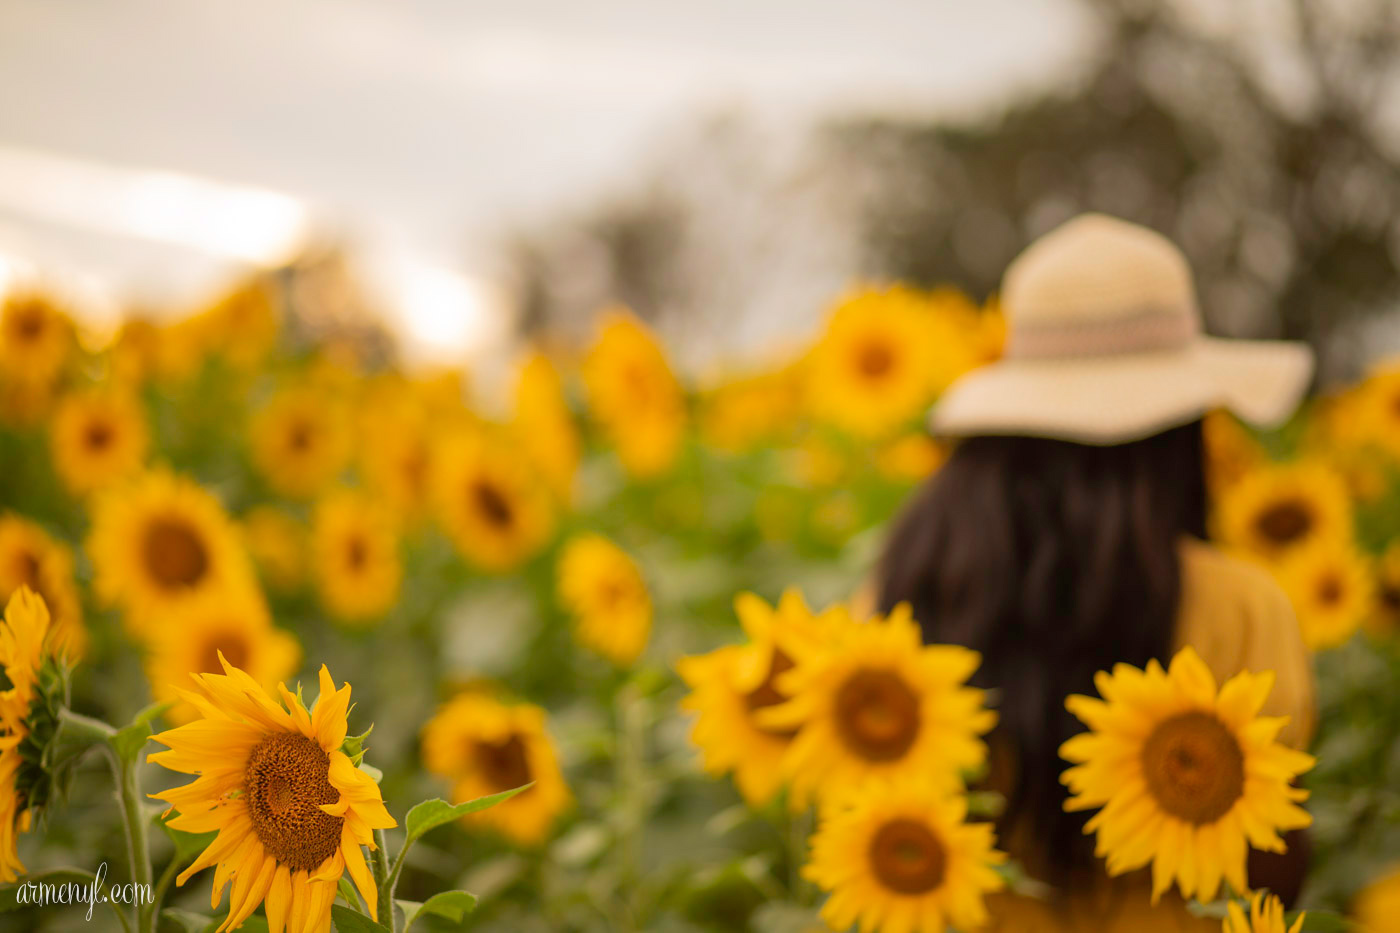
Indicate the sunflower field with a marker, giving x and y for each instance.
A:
(609, 634)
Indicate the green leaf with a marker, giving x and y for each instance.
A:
(9, 893)
(1323, 922)
(187, 845)
(451, 905)
(131, 738)
(352, 921)
(430, 814)
(188, 920)
(347, 891)
(354, 745)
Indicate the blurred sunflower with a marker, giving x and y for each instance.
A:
(911, 458)
(395, 453)
(870, 371)
(1231, 452)
(634, 395)
(277, 543)
(490, 503)
(242, 324)
(36, 339)
(1378, 904)
(22, 650)
(902, 856)
(301, 441)
(604, 590)
(1187, 777)
(355, 553)
(30, 557)
(544, 425)
(485, 747)
(234, 624)
(1374, 410)
(1275, 509)
(873, 702)
(733, 683)
(1265, 916)
(1332, 591)
(160, 542)
(1385, 619)
(742, 413)
(97, 438)
(290, 808)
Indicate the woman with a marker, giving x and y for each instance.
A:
(1066, 534)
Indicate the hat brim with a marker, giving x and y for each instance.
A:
(1116, 399)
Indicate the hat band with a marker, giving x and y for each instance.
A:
(1141, 331)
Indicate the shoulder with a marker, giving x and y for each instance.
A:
(1215, 578)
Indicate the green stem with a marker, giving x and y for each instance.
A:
(138, 851)
(163, 883)
(386, 880)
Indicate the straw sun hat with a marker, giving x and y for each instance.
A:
(1104, 346)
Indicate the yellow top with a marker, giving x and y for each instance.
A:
(1237, 619)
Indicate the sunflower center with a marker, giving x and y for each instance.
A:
(235, 650)
(1285, 522)
(874, 360)
(766, 694)
(175, 553)
(1330, 590)
(492, 505)
(29, 324)
(98, 435)
(503, 764)
(1194, 767)
(287, 780)
(907, 857)
(877, 714)
(356, 553)
(26, 568)
(299, 436)
(1389, 596)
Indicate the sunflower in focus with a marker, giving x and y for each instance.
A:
(731, 684)
(902, 856)
(277, 543)
(355, 553)
(870, 371)
(486, 747)
(161, 542)
(1187, 777)
(1265, 916)
(291, 809)
(634, 395)
(22, 652)
(1378, 904)
(545, 426)
(874, 702)
(603, 588)
(236, 625)
(29, 557)
(1276, 509)
(490, 503)
(1332, 591)
(97, 438)
(301, 441)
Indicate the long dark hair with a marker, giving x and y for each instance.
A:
(1054, 560)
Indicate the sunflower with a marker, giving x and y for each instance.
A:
(97, 438)
(902, 857)
(1231, 452)
(36, 339)
(1278, 508)
(911, 458)
(396, 452)
(1385, 619)
(235, 625)
(161, 542)
(603, 588)
(485, 747)
(1187, 777)
(1265, 916)
(545, 426)
(490, 502)
(733, 683)
(355, 552)
(30, 557)
(22, 651)
(301, 441)
(277, 543)
(870, 371)
(1378, 904)
(741, 413)
(242, 324)
(634, 395)
(873, 702)
(290, 807)
(1332, 591)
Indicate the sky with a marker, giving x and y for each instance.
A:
(150, 147)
